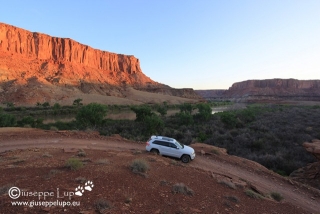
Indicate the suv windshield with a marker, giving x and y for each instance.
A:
(180, 144)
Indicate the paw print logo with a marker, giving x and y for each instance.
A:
(88, 185)
(79, 191)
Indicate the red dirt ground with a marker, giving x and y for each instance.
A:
(34, 161)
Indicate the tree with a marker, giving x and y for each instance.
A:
(142, 112)
(46, 104)
(56, 106)
(162, 109)
(204, 111)
(91, 115)
(153, 124)
(186, 108)
(229, 119)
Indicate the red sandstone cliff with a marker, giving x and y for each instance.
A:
(36, 61)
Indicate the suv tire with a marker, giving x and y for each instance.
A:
(155, 151)
(185, 158)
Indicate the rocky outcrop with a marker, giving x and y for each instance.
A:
(310, 174)
(313, 148)
(33, 65)
(275, 89)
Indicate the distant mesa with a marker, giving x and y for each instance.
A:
(36, 67)
(267, 90)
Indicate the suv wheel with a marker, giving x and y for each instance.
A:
(185, 158)
(155, 151)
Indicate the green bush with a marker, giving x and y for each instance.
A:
(74, 163)
(7, 120)
(91, 115)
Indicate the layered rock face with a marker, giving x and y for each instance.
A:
(37, 46)
(275, 89)
(33, 65)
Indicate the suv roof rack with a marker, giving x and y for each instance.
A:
(162, 138)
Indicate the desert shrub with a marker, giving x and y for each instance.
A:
(46, 155)
(181, 188)
(91, 115)
(103, 161)
(81, 153)
(139, 165)
(101, 205)
(53, 128)
(74, 163)
(232, 198)
(276, 196)
(253, 194)
(228, 184)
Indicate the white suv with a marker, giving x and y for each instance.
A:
(170, 147)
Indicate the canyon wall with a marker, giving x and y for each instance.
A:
(275, 89)
(37, 67)
(44, 47)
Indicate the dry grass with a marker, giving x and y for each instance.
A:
(253, 194)
(228, 184)
(103, 162)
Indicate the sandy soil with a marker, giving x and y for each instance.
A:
(34, 160)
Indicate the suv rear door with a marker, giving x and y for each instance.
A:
(163, 147)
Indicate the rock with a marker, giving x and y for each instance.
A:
(310, 174)
(313, 148)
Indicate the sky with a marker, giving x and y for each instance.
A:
(199, 44)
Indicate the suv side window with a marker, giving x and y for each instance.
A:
(161, 143)
(172, 145)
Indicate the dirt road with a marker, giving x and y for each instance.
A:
(230, 166)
